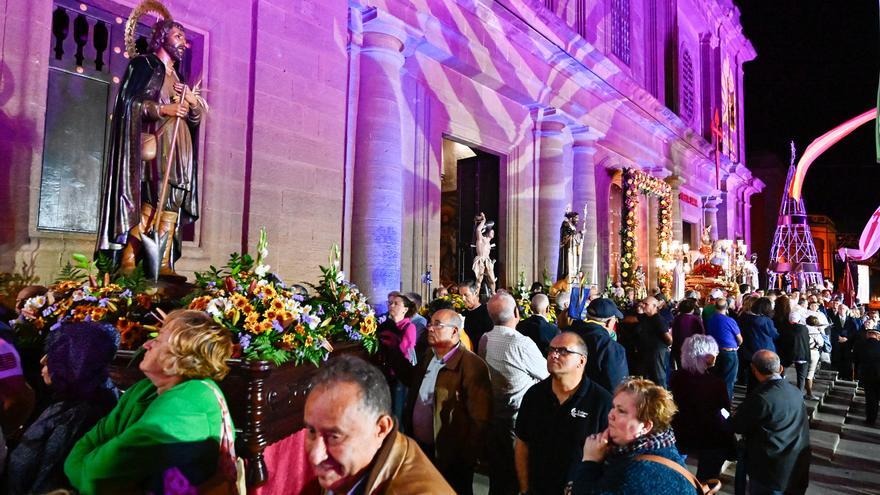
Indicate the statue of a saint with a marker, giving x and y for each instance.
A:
(640, 285)
(678, 279)
(571, 242)
(484, 266)
(147, 112)
(706, 243)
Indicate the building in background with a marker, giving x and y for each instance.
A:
(386, 126)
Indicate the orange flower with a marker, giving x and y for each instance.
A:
(300, 329)
(248, 309)
(200, 303)
(277, 304)
(265, 326)
(239, 301)
(288, 339)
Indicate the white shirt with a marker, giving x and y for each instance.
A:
(515, 364)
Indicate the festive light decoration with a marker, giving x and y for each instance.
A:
(821, 144)
(636, 182)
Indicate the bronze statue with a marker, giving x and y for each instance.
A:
(154, 129)
(484, 266)
(570, 248)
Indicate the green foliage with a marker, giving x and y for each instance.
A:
(71, 272)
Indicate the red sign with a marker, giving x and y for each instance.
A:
(689, 199)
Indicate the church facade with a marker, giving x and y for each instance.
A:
(385, 126)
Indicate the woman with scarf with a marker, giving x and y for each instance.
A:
(75, 368)
(639, 424)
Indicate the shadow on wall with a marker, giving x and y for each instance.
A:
(16, 150)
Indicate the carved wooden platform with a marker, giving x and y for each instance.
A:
(266, 401)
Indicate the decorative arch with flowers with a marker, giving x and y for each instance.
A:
(635, 183)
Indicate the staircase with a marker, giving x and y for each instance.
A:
(846, 452)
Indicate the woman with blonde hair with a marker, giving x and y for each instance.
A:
(637, 452)
(175, 418)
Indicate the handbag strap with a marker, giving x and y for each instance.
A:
(228, 459)
(678, 468)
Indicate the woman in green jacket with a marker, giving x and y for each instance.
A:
(172, 419)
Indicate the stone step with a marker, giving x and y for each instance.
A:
(833, 407)
(824, 443)
(824, 421)
(857, 454)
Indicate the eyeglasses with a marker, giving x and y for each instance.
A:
(437, 324)
(563, 352)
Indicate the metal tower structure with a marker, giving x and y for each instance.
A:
(793, 252)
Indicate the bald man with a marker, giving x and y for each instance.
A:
(538, 327)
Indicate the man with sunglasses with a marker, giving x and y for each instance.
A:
(556, 416)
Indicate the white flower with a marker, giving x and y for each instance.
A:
(218, 307)
(340, 276)
(261, 270)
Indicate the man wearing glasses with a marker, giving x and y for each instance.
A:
(556, 416)
(449, 402)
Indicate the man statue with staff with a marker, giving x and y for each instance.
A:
(153, 152)
(571, 242)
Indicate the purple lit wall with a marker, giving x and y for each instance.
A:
(328, 121)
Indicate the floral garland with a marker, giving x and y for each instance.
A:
(636, 182)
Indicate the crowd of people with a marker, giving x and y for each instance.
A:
(605, 398)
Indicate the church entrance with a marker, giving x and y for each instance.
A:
(469, 186)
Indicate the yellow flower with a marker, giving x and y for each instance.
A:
(300, 329)
(265, 326)
(288, 339)
(368, 326)
(269, 291)
(277, 304)
(239, 301)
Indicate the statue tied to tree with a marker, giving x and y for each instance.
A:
(153, 102)
(571, 242)
(484, 265)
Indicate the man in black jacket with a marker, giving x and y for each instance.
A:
(607, 364)
(869, 372)
(537, 327)
(774, 421)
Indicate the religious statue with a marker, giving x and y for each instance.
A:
(484, 266)
(678, 279)
(571, 242)
(706, 243)
(750, 272)
(153, 153)
(640, 287)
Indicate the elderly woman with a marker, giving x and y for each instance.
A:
(175, 418)
(75, 368)
(685, 324)
(702, 405)
(639, 423)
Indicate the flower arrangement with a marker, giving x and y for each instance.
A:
(268, 320)
(708, 270)
(635, 183)
(74, 299)
(348, 315)
(455, 300)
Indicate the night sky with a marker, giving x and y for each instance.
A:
(817, 66)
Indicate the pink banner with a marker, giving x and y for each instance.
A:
(869, 243)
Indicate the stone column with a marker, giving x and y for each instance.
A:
(584, 196)
(710, 215)
(554, 189)
(675, 183)
(377, 209)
